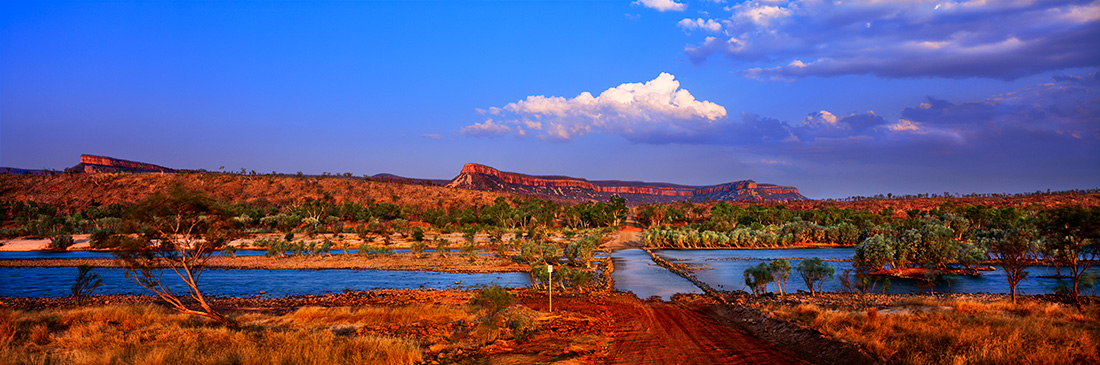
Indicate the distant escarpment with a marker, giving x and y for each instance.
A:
(91, 163)
(481, 177)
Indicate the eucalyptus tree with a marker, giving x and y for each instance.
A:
(814, 271)
(178, 231)
(1073, 233)
(1015, 249)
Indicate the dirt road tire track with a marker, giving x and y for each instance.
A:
(662, 334)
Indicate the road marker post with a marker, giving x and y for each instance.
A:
(550, 276)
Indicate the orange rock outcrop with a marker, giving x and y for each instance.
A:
(92, 163)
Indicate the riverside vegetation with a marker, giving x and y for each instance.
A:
(929, 245)
(179, 230)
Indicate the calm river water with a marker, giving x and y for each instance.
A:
(108, 255)
(724, 270)
(56, 281)
(634, 272)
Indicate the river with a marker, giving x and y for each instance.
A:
(723, 269)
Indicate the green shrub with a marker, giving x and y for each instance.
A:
(541, 274)
(575, 277)
(813, 271)
(469, 250)
(470, 233)
(532, 252)
(492, 300)
(579, 252)
(100, 238)
(61, 242)
(442, 246)
(86, 282)
(757, 278)
(274, 247)
(418, 247)
(368, 250)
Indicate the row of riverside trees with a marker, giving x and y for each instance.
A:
(778, 271)
(1065, 237)
(178, 230)
(937, 240)
(325, 215)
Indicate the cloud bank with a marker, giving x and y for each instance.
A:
(655, 111)
(1035, 127)
(787, 39)
(1051, 123)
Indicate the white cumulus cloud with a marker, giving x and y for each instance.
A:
(487, 128)
(709, 25)
(656, 111)
(662, 5)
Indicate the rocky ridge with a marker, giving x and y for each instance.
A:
(92, 163)
(481, 177)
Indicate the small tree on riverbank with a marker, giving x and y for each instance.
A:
(178, 231)
(814, 271)
(1074, 233)
(1015, 249)
(781, 271)
(757, 278)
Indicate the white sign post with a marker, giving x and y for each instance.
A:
(550, 275)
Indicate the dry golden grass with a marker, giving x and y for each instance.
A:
(932, 331)
(144, 334)
(374, 316)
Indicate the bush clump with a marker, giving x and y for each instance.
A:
(61, 242)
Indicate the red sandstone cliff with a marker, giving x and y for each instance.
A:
(481, 177)
(91, 163)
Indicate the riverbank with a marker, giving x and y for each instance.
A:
(453, 262)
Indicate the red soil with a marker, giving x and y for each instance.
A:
(663, 333)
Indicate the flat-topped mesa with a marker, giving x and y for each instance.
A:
(722, 188)
(659, 191)
(521, 179)
(481, 177)
(92, 163)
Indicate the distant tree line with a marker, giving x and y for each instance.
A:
(325, 215)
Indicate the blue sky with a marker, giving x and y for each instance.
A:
(837, 99)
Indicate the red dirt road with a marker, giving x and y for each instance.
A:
(666, 333)
(671, 334)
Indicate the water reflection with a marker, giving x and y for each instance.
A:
(635, 272)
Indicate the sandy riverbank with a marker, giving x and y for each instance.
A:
(25, 244)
